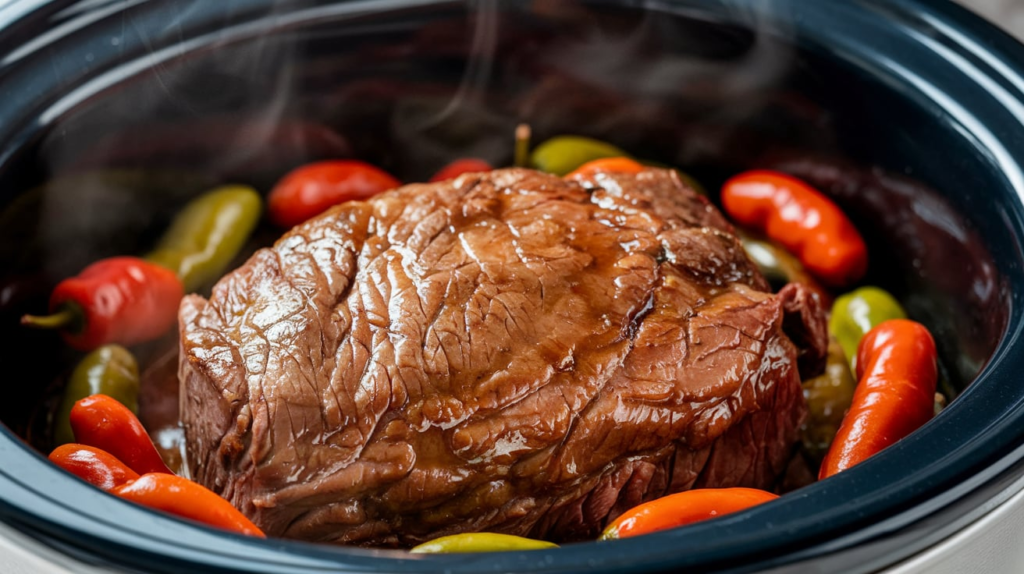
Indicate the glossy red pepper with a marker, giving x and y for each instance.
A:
(123, 300)
(459, 167)
(312, 188)
(895, 395)
(800, 218)
(605, 165)
(684, 508)
(182, 497)
(102, 422)
(95, 466)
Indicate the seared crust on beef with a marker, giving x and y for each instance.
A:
(505, 351)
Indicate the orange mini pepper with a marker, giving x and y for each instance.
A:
(182, 497)
(605, 165)
(95, 466)
(311, 189)
(895, 395)
(459, 167)
(684, 508)
(102, 422)
(800, 218)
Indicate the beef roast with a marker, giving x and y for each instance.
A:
(507, 351)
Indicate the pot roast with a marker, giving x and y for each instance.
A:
(506, 352)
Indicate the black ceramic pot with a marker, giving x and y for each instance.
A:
(908, 112)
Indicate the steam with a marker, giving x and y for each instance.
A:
(417, 122)
(610, 73)
(483, 18)
(711, 83)
(183, 114)
(621, 60)
(248, 101)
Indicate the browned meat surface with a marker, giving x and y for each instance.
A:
(505, 352)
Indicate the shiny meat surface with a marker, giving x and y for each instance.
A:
(506, 351)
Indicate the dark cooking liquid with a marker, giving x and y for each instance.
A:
(158, 407)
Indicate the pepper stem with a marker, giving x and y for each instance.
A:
(522, 149)
(66, 317)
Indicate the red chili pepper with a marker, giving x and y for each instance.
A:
(123, 300)
(312, 188)
(684, 508)
(95, 466)
(605, 165)
(104, 423)
(459, 167)
(182, 497)
(896, 367)
(800, 218)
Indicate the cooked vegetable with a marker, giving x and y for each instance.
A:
(182, 497)
(777, 265)
(480, 542)
(109, 370)
(207, 234)
(128, 300)
(856, 313)
(605, 165)
(802, 220)
(312, 188)
(828, 397)
(459, 167)
(95, 466)
(521, 155)
(895, 395)
(123, 300)
(104, 423)
(560, 155)
(780, 266)
(684, 508)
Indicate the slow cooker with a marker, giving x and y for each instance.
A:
(907, 112)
